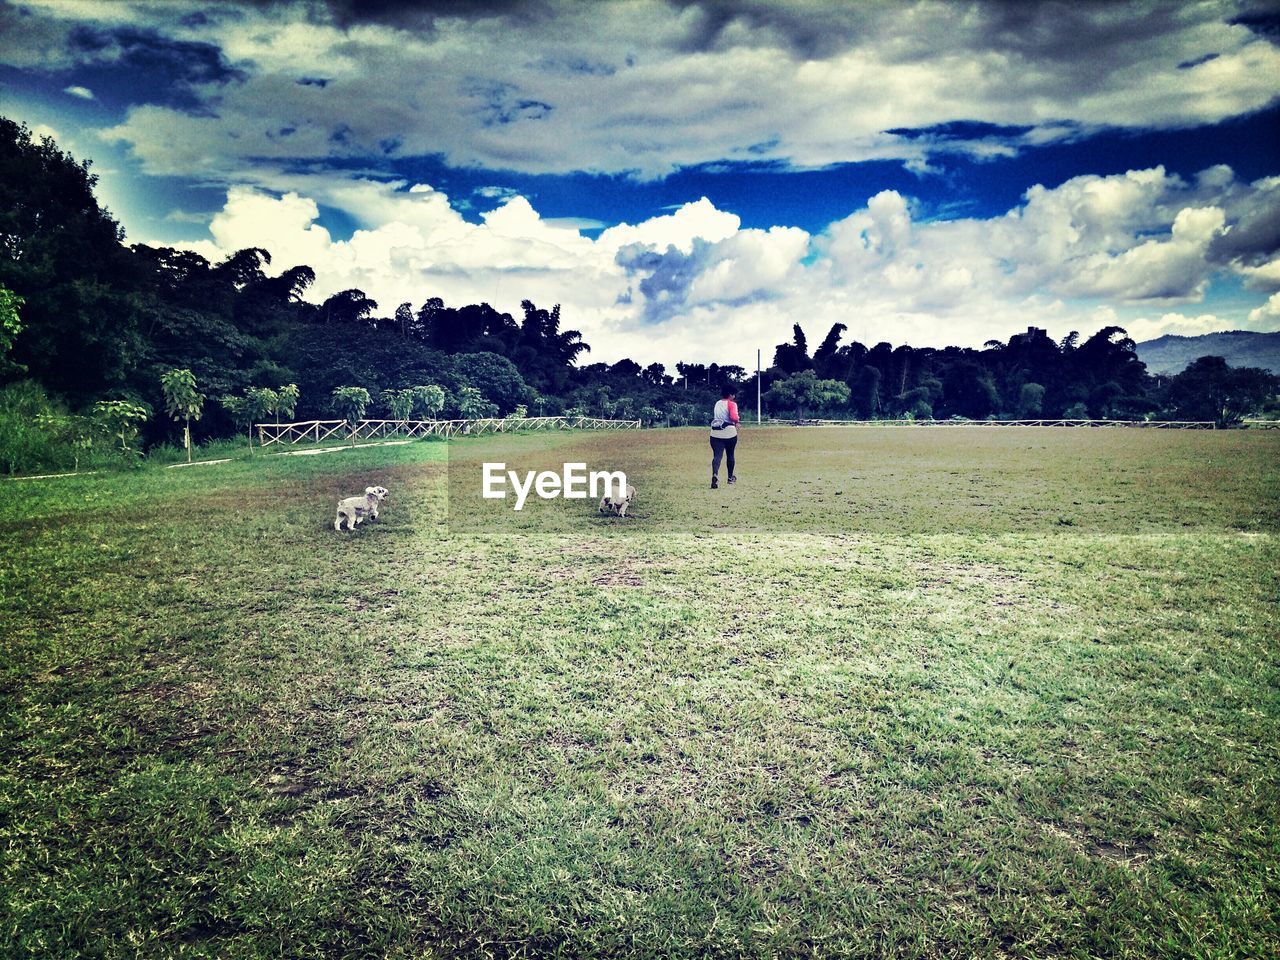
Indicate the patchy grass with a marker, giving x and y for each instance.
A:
(930, 720)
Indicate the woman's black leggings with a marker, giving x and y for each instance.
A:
(722, 448)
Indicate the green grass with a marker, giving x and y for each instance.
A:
(1012, 693)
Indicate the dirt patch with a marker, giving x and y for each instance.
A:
(618, 578)
(1128, 854)
(1131, 855)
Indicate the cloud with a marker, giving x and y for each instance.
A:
(696, 284)
(84, 93)
(1267, 316)
(1178, 324)
(645, 87)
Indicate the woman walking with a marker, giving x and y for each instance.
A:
(724, 436)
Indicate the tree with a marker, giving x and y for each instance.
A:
(472, 404)
(61, 253)
(496, 377)
(1030, 401)
(680, 414)
(691, 372)
(866, 392)
(512, 419)
(76, 431)
(604, 401)
(1210, 389)
(238, 410)
(404, 318)
(260, 402)
(182, 400)
(244, 267)
(793, 357)
(289, 286)
(1106, 370)
(254, 406)
(826, 359)
(655, 373)
(804, 390)
(348, 306)
(428, 400)
(122, 419)
(10, 327)
(287, 404)
(351, 403)
(626, 369)
(969, 391)
(399, 404)
(427, 319)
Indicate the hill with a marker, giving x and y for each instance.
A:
(1240, 348)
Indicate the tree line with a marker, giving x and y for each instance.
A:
(1029, 377)
(135, 343)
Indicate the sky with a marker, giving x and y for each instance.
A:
(689, 178)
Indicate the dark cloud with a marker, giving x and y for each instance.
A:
(1087, 32)
(1253, 240)
(809, 30)
(155, 68)
(962, 130)
(502, 104)
(1082, 32)
(1264, 20)
(1189, 64)
(666, 278)
(414, 14)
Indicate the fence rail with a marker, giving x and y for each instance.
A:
(1153, 424)
(317, 431)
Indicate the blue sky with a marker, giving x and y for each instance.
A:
(689, 178)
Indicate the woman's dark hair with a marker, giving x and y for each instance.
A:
(727, 392)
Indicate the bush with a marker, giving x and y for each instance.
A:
(24, 446)
(37, 434)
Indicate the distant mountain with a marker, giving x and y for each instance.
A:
(1240, 348)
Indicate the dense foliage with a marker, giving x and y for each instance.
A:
(90, 321)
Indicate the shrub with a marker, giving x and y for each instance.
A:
(26, 446)
(38, 434)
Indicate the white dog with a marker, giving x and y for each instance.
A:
(358, 509)
(609, 502)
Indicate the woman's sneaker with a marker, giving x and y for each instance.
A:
(715, 482)
(733, 479)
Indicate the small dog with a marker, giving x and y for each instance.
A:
(609, 502)
(358, 509)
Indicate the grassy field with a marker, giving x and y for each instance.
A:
(900, 692)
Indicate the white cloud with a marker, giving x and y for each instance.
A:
(1264, 277)
(696, 284)
(283, 226)
(1177, 324)
(700, 220)
(41, 130)
(84, 93)
(1267, 316)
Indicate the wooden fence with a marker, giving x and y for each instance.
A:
(317, 431)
